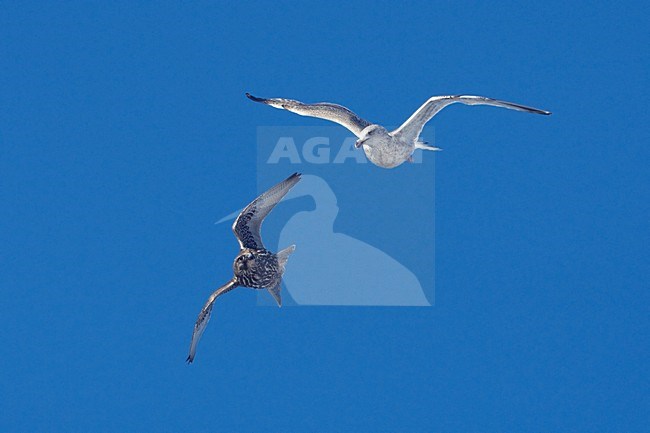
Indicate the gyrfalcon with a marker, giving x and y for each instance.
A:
(254, 267)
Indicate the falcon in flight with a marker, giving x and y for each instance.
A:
(254, 267)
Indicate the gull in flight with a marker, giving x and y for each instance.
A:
(254, 267)
(385, 148)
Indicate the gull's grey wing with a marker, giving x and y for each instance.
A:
(411, 129)
(323, 110)
(204, 317)
(248, 224)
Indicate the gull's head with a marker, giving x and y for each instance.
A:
(368, 133)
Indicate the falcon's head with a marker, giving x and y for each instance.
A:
(244, 261)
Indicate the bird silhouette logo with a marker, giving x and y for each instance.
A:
(333, 268)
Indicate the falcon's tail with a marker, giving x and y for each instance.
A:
(283, 256)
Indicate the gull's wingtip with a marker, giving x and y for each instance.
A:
(537, 111)
(531, 109)
(254, 98)
(189, 359)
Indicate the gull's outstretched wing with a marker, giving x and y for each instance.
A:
(323, 110)
(248, 224)
(411, 129)
(204, 317)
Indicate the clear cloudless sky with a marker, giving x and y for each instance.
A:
(125, 134)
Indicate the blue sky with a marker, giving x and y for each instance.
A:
(125, 133)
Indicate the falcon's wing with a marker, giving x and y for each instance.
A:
(204, 317)
(249, 222)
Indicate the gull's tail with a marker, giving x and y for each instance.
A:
(424, 146)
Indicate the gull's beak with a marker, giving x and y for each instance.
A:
(358, 143)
